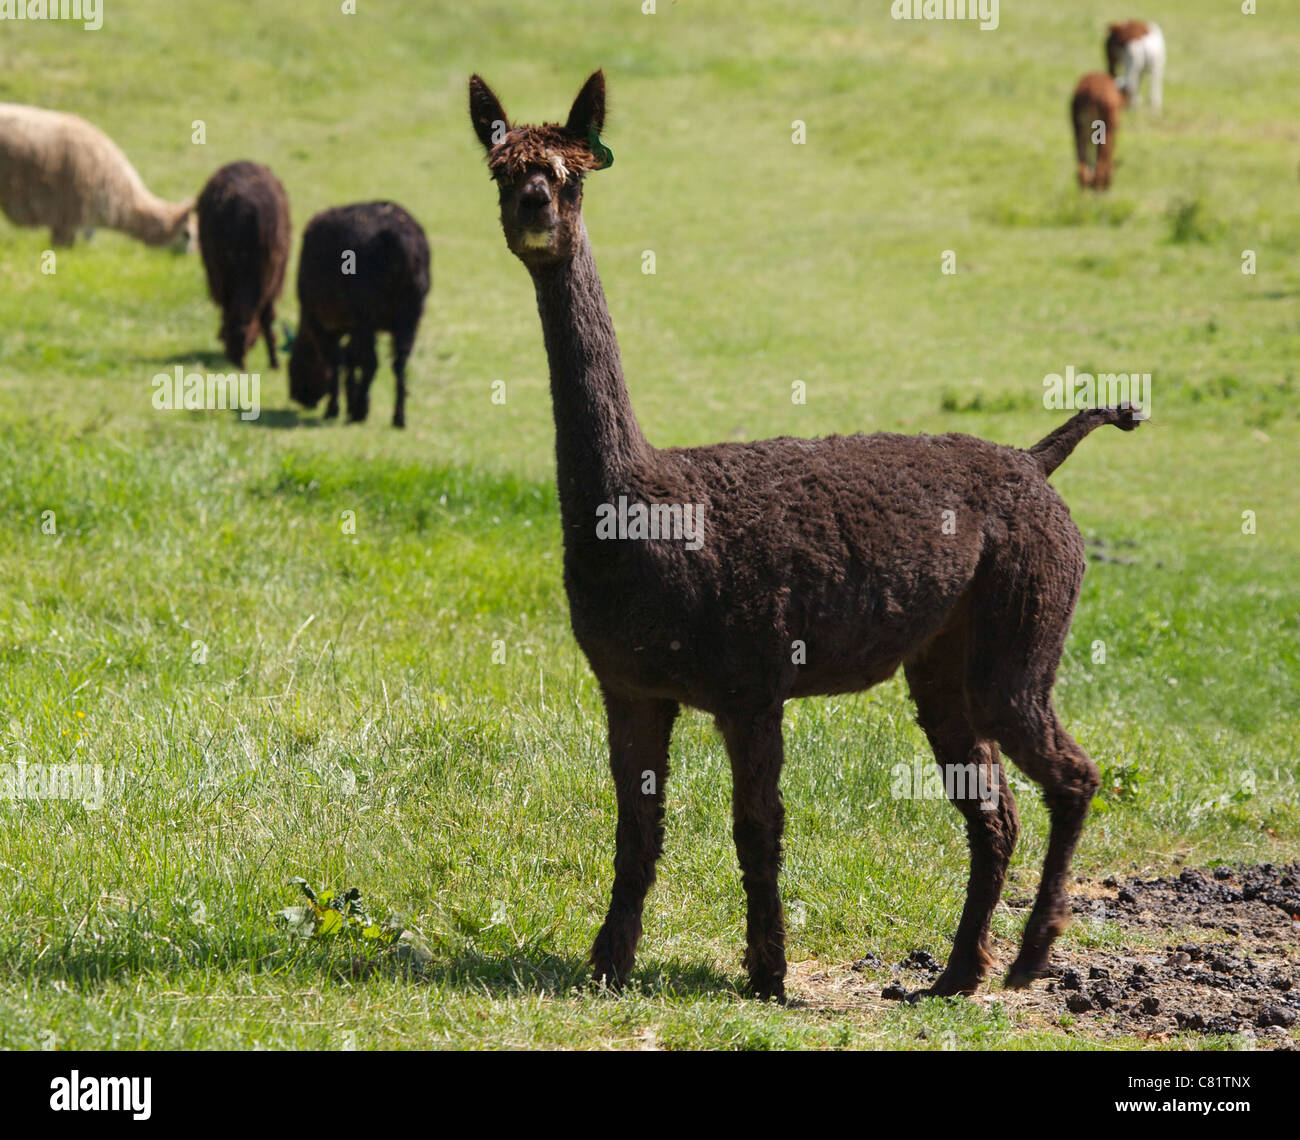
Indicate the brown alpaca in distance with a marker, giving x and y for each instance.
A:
(1097, 101)
(824, 565)
(244, 238)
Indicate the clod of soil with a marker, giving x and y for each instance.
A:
(1214, 951)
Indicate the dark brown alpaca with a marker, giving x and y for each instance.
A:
(383, 289)
(1097, 100)
(244, 235)
(824, 565)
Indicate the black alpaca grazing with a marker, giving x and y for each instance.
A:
(364, 269)
(244, 235)
(810, 567)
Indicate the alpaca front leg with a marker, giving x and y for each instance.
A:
(361, 373)
(1132, 78)
(756, 751)
(639, 732)
(340, 366)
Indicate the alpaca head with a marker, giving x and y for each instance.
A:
(181, 232)
(539, 170)
(311, 370)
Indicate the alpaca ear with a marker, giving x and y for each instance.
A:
(588, 112)
(487, 114)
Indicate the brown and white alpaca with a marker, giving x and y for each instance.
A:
(1135, 49)
(58, 170)
(821, 566)
(1094, 115)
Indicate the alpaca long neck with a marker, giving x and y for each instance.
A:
(151, 219)
(597, 437)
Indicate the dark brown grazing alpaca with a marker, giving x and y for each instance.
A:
(364, 269)
(821, 566)
(1095, 106)
(244, 235)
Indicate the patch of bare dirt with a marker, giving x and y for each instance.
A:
(1213, 952)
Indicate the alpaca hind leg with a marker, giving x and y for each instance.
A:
(639, 732)
(403, 340)
(267, 318)
(1157, 83)
(1036, 740)
(1017, 641)
(1083, 158)
(756, 751)
(977, 785)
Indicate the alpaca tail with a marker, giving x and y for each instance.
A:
(1053, 450)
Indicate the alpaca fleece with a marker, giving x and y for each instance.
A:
(1134, 49)
(57, 170)
(244, 235)
(825, 565)
(1096, 99)
(386, 293)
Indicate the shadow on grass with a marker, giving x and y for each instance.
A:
(529, 971)
(537, 972)
(282, 418)
(206, 357)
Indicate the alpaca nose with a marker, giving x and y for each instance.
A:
(535, 200)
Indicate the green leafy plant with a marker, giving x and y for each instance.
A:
(330, 916)
(327, 914)
(1121, 784)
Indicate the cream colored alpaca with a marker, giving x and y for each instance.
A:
(58, 170)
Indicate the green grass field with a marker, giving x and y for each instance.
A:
(271, 695)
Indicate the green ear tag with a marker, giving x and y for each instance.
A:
(599, 149)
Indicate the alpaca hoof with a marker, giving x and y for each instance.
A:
(1020, 978)
(767, 989)
(399, 421)
(606, 976)
(332, 412)
(606, 979)
(945, 987)
(610, 968)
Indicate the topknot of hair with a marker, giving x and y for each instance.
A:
(548, 147)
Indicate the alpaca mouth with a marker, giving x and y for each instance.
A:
(538, 237)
